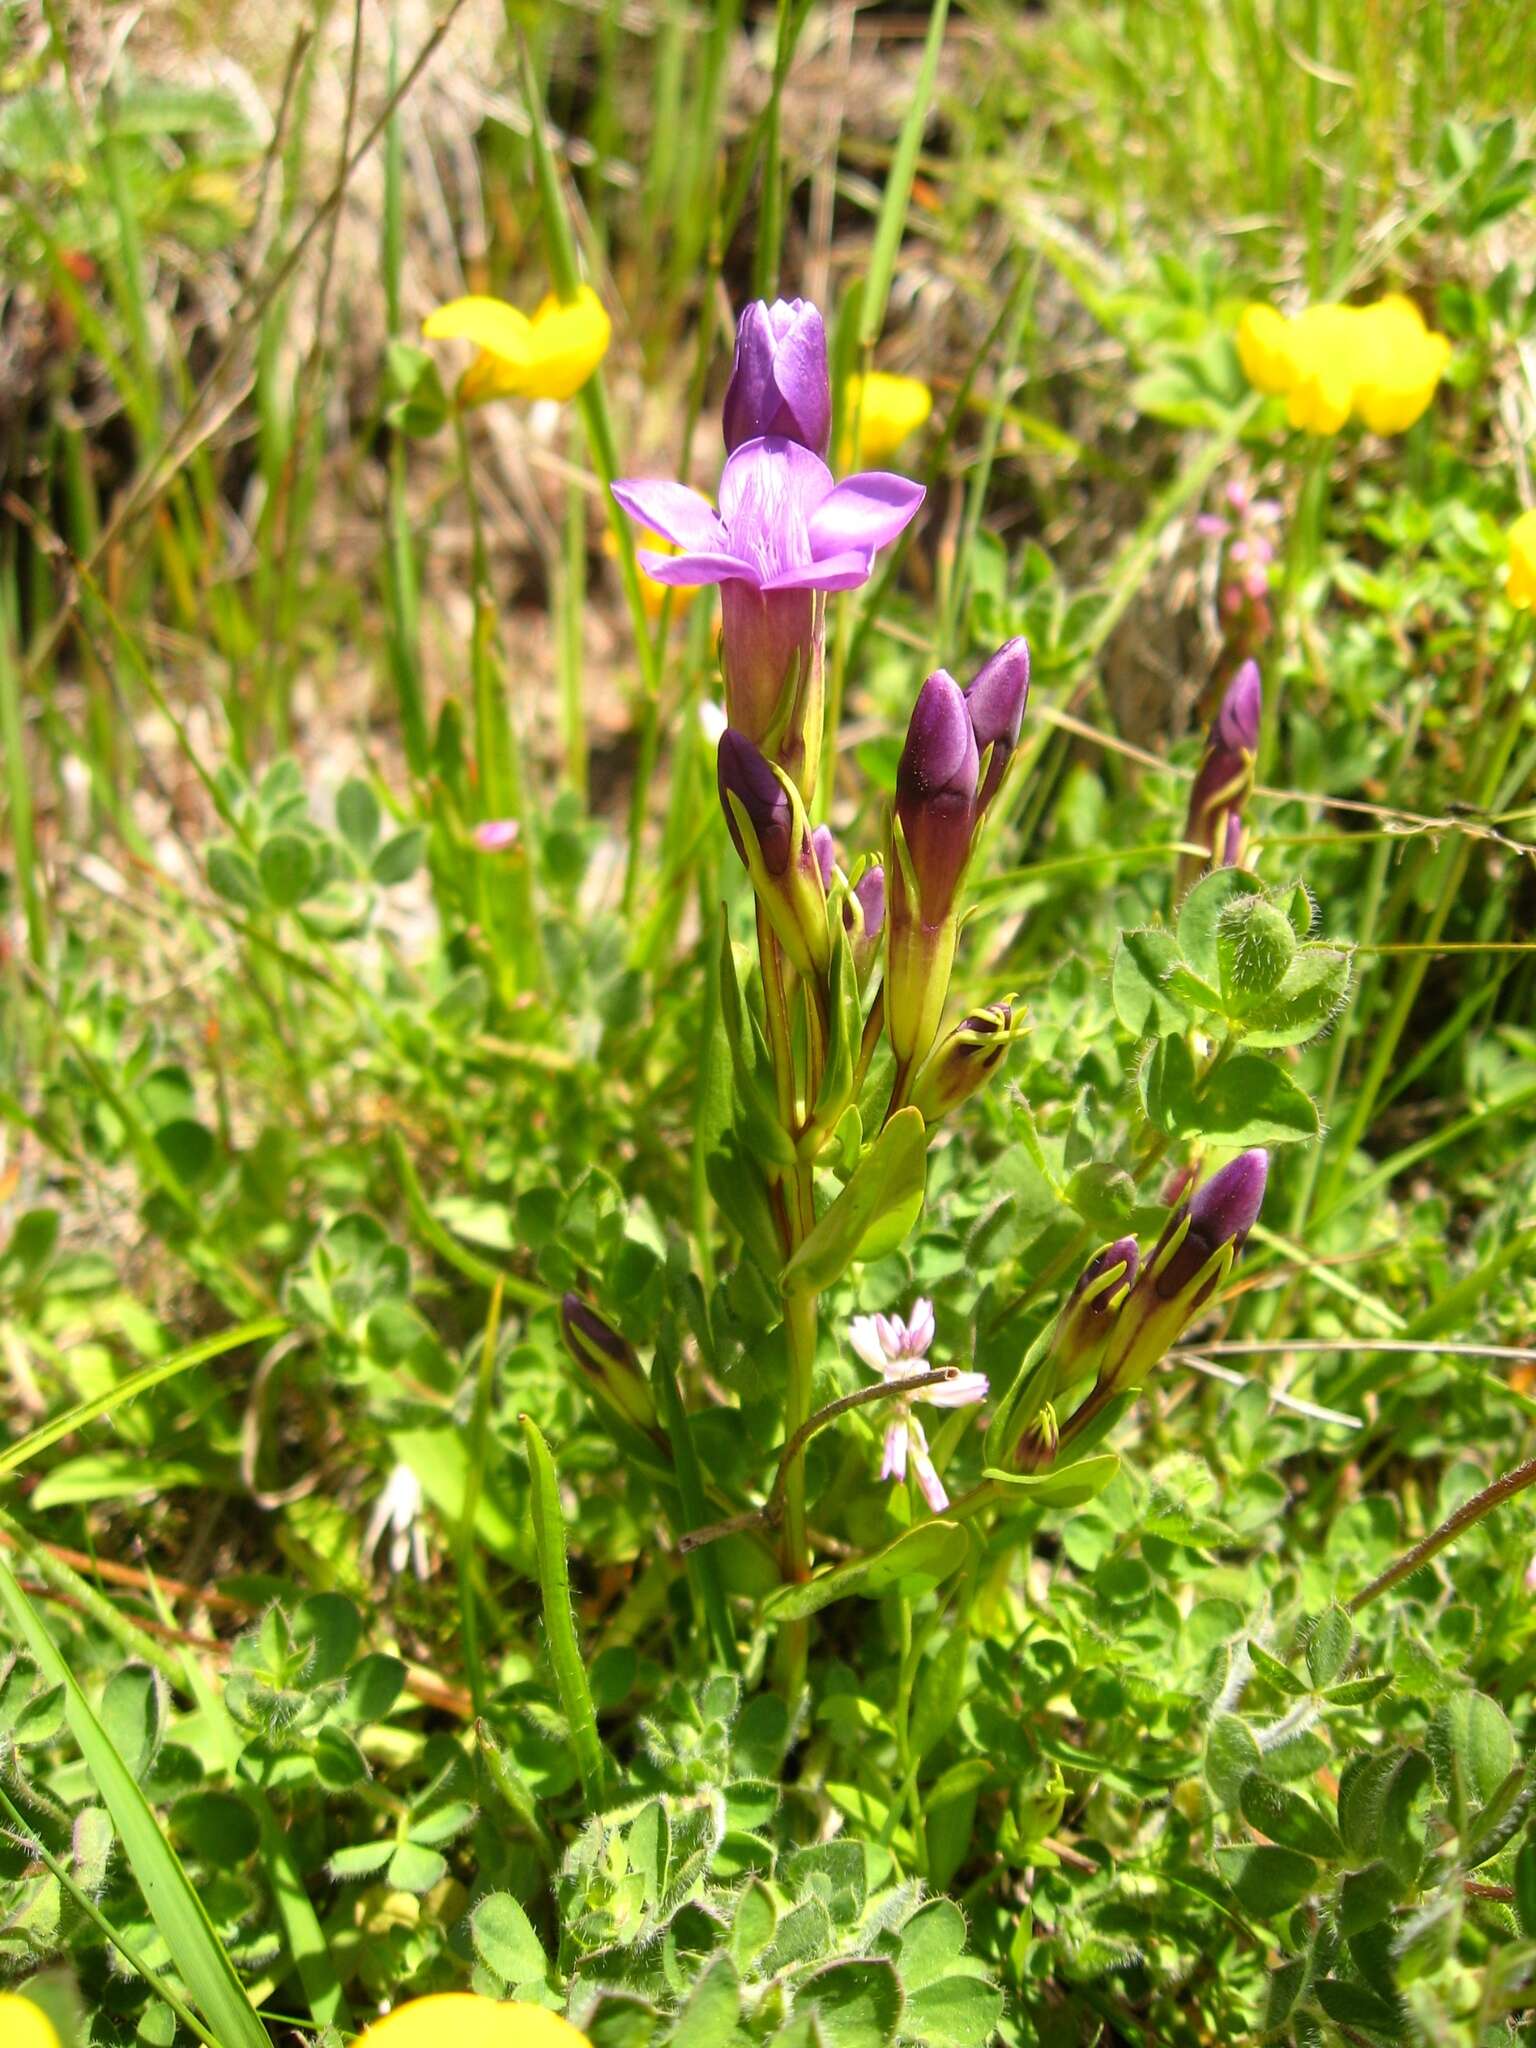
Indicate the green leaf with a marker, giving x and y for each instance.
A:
(1499, 1820)
(756, 1109)
(415, 1869)
(133, 1715)
(1473, 1751)
(1279, 1675)
(1367, 1898)
(753, 1924)
(1249, 1100)
(1232, 1755)
(288, 866)
(1059, 1486)
(1311, 993)
(939, 1693)
(1267, 1880)
(399, 858)
(505, 1941)
(709, 2018)
(873, 1214)
(173, 1901)
(1167, 1082)
(559, 1620)
(188, 1149)
(1144, 959)
(232, 875)
(1329, 1642)
(357, 816)
(1288, 1818)
(857, 2003)
(918, 1559)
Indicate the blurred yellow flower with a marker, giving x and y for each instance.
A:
(887, 409)
(1379, 363)
(1520, 583)
(25, 2025)
(1402, 363)
(550, 356)
(457, 2019)
(1264, 349)
(652, 593)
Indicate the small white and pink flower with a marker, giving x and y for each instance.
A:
(898, 1350)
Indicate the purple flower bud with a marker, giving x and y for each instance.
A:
(869, 889)
(959, 1064)
(1123, 1252)
(779, 382)
(607, 1362)
(996, 700)
(1220, 1212)
(742, 771)
(936, 792)
(1242, 708)
(825, 848)
(1224, 777)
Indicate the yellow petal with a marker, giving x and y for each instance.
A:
(491, 324)
(567, 344)
(888, 409)
(1404, 363)
(1264, 349)
(1520, 582)
(1327, 344)
(25, 2025)
(457, 2019)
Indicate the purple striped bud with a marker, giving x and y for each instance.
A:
(1224, 778)
(607, 1362)
(936, 792)
(779, 382)
(1078, 1343)
(864, 918)
(959, 1064)
(769, 830)
(996, 700)
(1190, 1261)
(931, 832)
(743, 771)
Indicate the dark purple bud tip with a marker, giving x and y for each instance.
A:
(870, 890)
(779, 382)
(996, 700)
(824, 846)
(1242, 708)
(1226, 1208)
(936, 790)
(744, 772)
(1123, 1252)
(587, 1334)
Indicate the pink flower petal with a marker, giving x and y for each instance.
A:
(864, 512)
(689, 570)
(961, 1393)
(832, 572)
(894, 1465)
(864, 1336)
(920, 1328)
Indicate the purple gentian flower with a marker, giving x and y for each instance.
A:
(785, 534)
(779, 382)
(1225, 777)
(898, 1351)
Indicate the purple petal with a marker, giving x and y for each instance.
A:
(692, 569)
(920, 1327)
(864, 511)
(961, 1393)
(833, 572)
(864, 1336)
(770, 473)
(925, 1472)
(678, 514)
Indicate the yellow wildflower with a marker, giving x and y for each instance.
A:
(457, 2019)
(1325, 362)
(550, 356)
(1377, 362)
(25, 2025)
(1520, 583)
(1264, 349)
(1402, 363)
(887, 409)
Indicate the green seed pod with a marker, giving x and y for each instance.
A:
(1255, 945)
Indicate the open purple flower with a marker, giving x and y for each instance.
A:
(784, 534)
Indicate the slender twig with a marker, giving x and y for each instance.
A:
(1342, 1344)
(773, 1507)
(1466, 1515)
(1311, 1409)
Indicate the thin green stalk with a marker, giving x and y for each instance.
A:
(18, 784)
(573, 590)
(402, 583)
(703, 1566)
(892, 222)
(559, 1620)
(474, 1473)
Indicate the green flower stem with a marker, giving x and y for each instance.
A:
(559, 1620)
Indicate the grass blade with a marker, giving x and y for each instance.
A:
(173, 1902)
